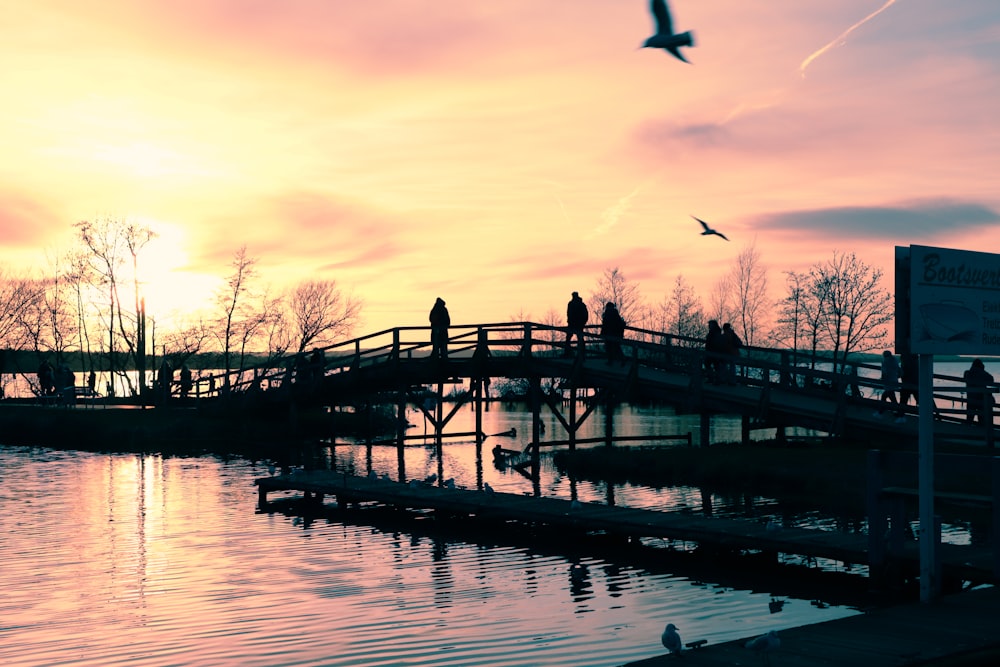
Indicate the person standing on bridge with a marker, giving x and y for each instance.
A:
(908, 387)
(440, 321)
(890, 380)
(714, 345)
(731, 345)
(613, 331)
(576, 319)
(978, 393)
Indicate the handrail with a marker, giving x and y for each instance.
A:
(657, 349)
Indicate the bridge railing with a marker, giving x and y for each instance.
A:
(761, 366)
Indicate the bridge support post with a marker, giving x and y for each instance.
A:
(706, 426)
(609, 419)
(572, 419)
(536, 420)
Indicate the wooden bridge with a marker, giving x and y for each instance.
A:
(771, 388)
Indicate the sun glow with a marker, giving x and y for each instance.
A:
(173, 293)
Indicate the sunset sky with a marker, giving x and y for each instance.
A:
(497, 154)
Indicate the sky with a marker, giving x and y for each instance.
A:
(498, 155)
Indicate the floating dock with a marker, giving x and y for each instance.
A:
(959, 562)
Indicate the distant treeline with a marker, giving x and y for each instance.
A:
(27, 361)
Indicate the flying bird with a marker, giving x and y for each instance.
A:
(708, 231)
(664, 38)
(671, 639)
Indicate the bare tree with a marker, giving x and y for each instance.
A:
(682, 312)
(321, 313)
(720, 307)
(857, 309)
(614, 287)
(749, 281)
(109, 241)
(231, 299)
(20, 297)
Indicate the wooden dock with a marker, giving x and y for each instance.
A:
(962, 629)
(958, 562)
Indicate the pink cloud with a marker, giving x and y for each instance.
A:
(26, 221)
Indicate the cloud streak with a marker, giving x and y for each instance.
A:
(841, 38)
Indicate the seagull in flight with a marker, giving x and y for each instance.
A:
(708, 231)
(665, 38)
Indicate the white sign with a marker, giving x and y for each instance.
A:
(954, 302)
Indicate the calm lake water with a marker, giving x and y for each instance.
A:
(151, 562)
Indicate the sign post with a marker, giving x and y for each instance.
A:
(947, 302)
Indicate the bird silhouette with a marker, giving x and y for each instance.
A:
(671, 639)
(665, 38)
(707, 231)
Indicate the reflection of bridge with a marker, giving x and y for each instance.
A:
(772, 388)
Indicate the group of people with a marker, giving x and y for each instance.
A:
(722, 348)
(891, 376)
(612, 328)
(722, 344)
(577, 316)
(978, 387)
(53, 380)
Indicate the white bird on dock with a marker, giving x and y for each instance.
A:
(671, 639)
(487, 489)
(450, 483)
(430, 479)
(764, 645)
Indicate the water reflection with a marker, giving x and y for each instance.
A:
(144, 561)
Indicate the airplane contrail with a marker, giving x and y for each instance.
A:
(841, 37)
(613, 213)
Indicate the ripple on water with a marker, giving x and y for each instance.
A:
(149, 562)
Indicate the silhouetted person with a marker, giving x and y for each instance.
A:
(187, 383)
(92, 382)
(731, 345)
(613, 330)
(440, 321)
(890, 379)
(166, 378)
(910, 379)
(46, 379)
(576, 319)
(978, 394)
(714, 349)
(65, 383)
(317, 368)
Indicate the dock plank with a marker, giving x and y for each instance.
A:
(727, 533)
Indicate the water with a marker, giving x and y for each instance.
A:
(145, 561)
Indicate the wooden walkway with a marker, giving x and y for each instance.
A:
(962, 629)
(960, 562)
(774, 388)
